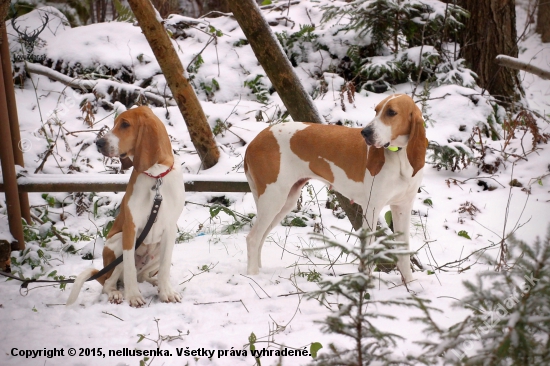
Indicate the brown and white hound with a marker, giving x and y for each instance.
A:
(140, 136)
(283, 157)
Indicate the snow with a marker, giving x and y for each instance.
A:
(221, 305)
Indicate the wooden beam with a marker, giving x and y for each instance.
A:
(202, 186)
(118, 183)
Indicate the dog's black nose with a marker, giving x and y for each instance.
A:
(100, 143)
(368, 135)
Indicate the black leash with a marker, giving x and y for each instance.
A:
(152, 217)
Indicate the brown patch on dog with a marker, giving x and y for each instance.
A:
(375, 160)
(108, 257)
(262, 160)
(343, 146)
(417, 145)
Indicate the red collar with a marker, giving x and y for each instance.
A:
(161, 175)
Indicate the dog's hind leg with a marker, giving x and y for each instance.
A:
(268, 206)
(401, 215)
(272, 206)
(289, 205)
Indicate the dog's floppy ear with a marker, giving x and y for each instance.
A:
(416, 147)
(147, 149)
(126, 163)
(375, 160)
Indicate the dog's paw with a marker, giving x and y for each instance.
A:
(115, 297)
(135, 300)
(169, 295)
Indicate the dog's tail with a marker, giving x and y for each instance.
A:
(78, 283)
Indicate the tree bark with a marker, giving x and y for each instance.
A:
(170, 64)
(543, 21)
(279, 70)
(491, 31)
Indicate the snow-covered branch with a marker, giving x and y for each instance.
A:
(95, 85)
(84, 85)
(514, 63)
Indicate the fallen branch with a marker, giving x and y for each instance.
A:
(84, 85)
(515, 63)
(87, 86)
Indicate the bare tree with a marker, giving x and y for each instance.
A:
(170, 64)
(543, 20)
(491, 31)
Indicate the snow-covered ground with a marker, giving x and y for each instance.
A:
(222, 306)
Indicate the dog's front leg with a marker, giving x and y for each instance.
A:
(370, 222)
(110, 286)
(401, 216)
(131, 290)
(166, 292)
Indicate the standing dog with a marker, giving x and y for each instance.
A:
(140, 136)
(283, 157)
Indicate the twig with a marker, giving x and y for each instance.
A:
(256, 284)
(222, 302)
(478, 178)
(460, 261)
(48, 153)
(201, 272)
(104, 312)
(292, 293)
(212, 38)
(253, 289)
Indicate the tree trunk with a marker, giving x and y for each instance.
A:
(491, 31)
(279, 70)
(170, 64)
(543, 20)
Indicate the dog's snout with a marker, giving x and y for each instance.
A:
(100, 143)
(368, 135)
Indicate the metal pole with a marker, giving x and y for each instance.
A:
(14, 119)
(8, 170)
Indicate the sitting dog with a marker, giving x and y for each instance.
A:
(379, 165)
(139, 136)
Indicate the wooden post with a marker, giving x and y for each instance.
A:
(14, 120)
(171, 67)
(8, 170)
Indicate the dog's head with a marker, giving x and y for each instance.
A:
(138, 138)
(398, 122)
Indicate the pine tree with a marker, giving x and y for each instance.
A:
(510, 324)
(386, 30)
(356, 310)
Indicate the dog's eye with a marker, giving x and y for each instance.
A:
(391, 112)
(124, 124)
